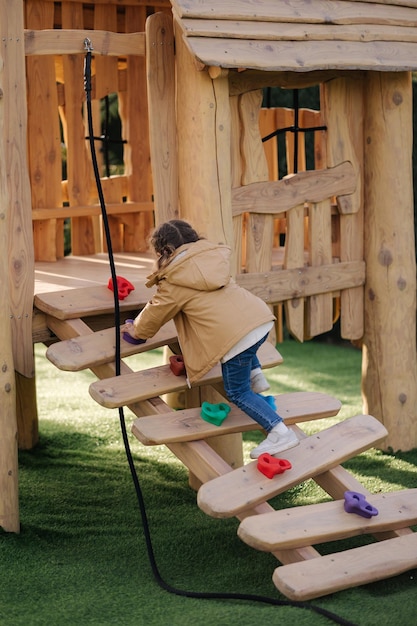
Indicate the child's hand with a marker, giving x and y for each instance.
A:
(128, 327)
(128, 333)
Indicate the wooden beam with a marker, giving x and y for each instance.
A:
(279, 196)
(275, 31)
(68, 41)
(304, 56)
(319, 12)
(280, 285)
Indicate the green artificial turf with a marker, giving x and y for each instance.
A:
(81, 557)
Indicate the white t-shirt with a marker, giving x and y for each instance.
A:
(248, 340)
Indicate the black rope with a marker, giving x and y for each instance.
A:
(145, 523)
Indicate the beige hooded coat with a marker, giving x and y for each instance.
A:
(210, 311)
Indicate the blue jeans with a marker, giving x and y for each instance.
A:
(236, 380)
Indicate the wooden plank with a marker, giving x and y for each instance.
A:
(63, 41)
(162, 123)
(133, 110)
(294, 257)
(337, 480)
(327, 521)
(187, 424)
(246, 487)
(304, 56)
(260, 227)
(44, 141)
(277, 197)
(106, 70)
(240, 82)
(206, 464)
(124, 390)
(84, 302)
(320, 306)
(85, 231)
(83, 352)
(296, 11)
(358, 566)
(238, 222)
(343, 110)
(281, 285)
(284, 31)
(163, 4)
(115, 208)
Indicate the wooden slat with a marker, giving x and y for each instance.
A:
(281, 285)
(344, 139)
(320, 306)
(84, 302)
(115, 208)
(299, 11)
(106, 69)
(65, 41)
(243, 29)
(277, 197)
(294, 257)
(86, 351)
(246, 487)
(327, 521)
(44, 145)
(260, 227)
(157, 381)
(358, 566)
(304, 56)
(85, 231)
(133, 109)
(187, 425)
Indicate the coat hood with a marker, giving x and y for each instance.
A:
(207, 267)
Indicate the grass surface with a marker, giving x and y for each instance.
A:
(81, 558)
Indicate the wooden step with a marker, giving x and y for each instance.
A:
(97, 348)
(328, 521)
(69, 304)
(350, 568)
(188, 425)
(245, 487)
(130, 388)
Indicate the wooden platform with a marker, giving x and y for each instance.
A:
(55, 282)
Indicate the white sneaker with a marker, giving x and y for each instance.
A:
(275, 443)
(259, 383)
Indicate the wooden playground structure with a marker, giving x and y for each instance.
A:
(336, 241)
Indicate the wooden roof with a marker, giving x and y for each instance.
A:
(301, 35)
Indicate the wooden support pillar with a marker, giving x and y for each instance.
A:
(389, 346)
(15, 249)
(203, 126)
(204, 165)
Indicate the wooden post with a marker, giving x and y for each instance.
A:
(11, 27)
(203, 126)
(19, 259)
(204, 169)
(160, 67)
(389, 347)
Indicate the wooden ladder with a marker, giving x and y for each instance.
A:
(229, 489)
